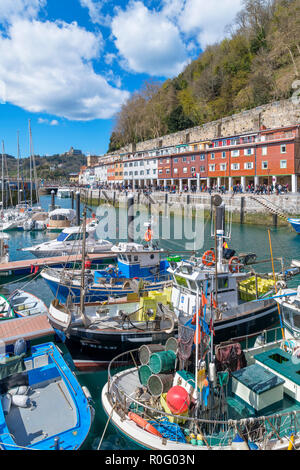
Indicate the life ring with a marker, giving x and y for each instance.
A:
(148, 235)
(234, 264)
(208, 258)
(142, 423)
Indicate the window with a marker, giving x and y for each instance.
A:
(235, 166)
(212, 167)
(160, 171)
(223, 166)
(235, 153)
(248, 151)
(193, 158)
(193, 169)
(154, 171)
(141, 163)
(202, 169)
(223, 154)
(148, 172)
(184, 159)
(167, 170)
(175, 160)
(175, 170)
(283, 148)
(185, 169)
(202, 156)
(141, 172)
(212, 156)
(264, 150)
(248, 166)
(136, 173)
(283, 163)
(135, 163)
(264, 165)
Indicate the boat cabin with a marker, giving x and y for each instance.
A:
(61, 218)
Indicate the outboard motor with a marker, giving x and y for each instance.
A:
(20, 347)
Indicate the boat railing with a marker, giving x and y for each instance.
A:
(215, 426)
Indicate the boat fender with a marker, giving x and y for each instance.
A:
(6, 403)
(142, 423)
(86, 393)
(20, 347)
(238, 443)
(280, 285)
(22, 390)
(23, 401)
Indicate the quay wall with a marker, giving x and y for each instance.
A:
(244, 208)
(276, 114)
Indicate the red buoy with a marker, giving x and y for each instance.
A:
(88, 264)
(178, 400)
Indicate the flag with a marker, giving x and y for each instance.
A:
(36, 269)
(203, 300)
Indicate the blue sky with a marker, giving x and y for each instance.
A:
(69, 65)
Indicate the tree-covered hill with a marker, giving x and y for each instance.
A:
(257, 63)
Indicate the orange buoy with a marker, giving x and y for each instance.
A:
(142, 423)
(148, 235)
(208, 258)
(233, 264)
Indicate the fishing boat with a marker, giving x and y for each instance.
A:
(61, 218)
(199, 396)
(295, 223)
(31, 385)
(115, 325)
(11, 219)
(25, 304)
(37, 222)
(137, 264)
(69, 242)
(228, 287)
(21, 304)
(63, 193)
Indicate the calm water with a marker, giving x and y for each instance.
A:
(285, 243)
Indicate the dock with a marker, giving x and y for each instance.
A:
(27, 328)
(32, 266)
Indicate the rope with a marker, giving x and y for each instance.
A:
(107, 422)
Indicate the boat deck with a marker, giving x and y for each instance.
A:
(31, 327)
(33, 424)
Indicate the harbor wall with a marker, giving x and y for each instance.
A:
(276, 114)
(244, 208)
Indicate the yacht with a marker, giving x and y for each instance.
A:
(60, 218)
(63, 193)
(69, 242)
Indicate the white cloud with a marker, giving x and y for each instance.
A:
(148, 41)
(94, 7)
(54, 122)
(202, 19)
(10, 10)
(47, 67)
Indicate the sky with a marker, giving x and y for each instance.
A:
(67, 66)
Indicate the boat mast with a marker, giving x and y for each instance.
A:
(82, 284)
(2, 184)
(18, 172)
(30, 162)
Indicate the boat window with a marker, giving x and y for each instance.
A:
(296, 319)
(152, 256)
(278, 358)
(61, 237)
(135, 258)
(193, 285)
(181, 281)
(76, 236)
(129, 258)
(222, 283)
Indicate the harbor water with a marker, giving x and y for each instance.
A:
(244, 239)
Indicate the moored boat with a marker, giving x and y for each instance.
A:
(33, 383)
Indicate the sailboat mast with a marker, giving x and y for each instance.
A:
(18, 170)
(30, 161)
(2, 168)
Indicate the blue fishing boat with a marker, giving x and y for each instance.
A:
(139, 268)
(295, 223)
(43, 406)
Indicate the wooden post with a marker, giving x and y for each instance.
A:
(242, 210)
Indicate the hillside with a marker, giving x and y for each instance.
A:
(55, 167)
(257, 64)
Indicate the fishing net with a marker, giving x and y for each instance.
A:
(185, 341)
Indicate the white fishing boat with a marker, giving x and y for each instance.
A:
(191, 399)
(25, 304)
(69, 242)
